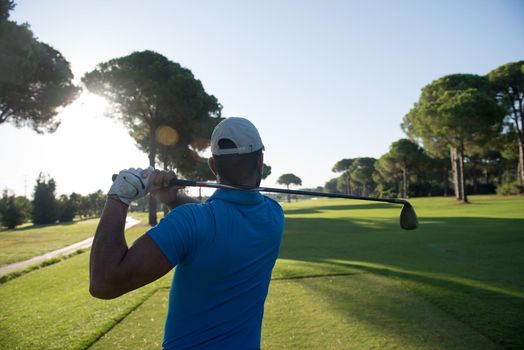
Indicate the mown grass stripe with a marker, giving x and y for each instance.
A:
(119, 319)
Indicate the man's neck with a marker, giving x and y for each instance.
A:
(246, 184)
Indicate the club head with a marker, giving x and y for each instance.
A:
(408, 217)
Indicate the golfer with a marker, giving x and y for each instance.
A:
(224, 249)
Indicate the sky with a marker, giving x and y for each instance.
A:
(321, 80)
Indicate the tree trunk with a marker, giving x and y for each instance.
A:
(445, 181)
(404, 184)
(288, 195)
(461, 175)
(152, 157)
(164, 207)
(455, 168)
(521, 159)
(347, 184)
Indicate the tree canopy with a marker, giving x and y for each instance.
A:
(38, 80)
(343, 166)
(361, 174)
(44, 202)
(149, 92)
(289, 179)
(508, 81)
(456, 111)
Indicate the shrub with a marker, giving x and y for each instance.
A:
(509, 188)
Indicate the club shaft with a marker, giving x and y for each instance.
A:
(191, 183)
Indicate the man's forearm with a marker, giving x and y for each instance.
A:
(109, 245)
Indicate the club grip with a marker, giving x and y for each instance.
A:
(174, 182)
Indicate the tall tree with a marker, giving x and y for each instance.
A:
(65, 208)
(387, 176)
(408, 158)
(96, 202)
(331, 186)
(289, 179)
(44, 201)
(456, 110)
(11, 212)
(362, 174)
(147, 91)
(343, 166)
(508, 80)
(38, 82)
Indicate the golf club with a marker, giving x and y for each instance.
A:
(408, 217)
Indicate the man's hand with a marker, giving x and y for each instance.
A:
(131, 184)
(170, 196)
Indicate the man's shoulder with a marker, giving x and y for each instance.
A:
(273, 202)
(196, 212)
(195, 208)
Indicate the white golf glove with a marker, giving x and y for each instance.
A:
(131, 184)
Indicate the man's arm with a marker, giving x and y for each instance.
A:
(115, 269)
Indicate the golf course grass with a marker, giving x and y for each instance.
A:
(30, 241)
(347, 278)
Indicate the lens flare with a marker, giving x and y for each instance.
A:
(166, 135)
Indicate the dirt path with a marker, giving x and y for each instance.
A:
(130, 222)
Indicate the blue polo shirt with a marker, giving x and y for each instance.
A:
(224, 251)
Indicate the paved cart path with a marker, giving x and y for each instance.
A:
(130, 222)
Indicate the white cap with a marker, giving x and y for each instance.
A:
(241, 132)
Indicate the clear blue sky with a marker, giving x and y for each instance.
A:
(322, 80)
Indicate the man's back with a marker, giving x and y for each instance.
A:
(224, 252)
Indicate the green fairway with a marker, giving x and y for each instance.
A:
(51, 308)
(347, 278)
(29, 241)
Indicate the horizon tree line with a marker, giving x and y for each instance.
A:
(466, 124)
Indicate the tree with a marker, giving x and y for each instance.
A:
(331, 186)
(266, 171)
(408, 158)
(65, 208)
(38, 82)
(456, 111)
(44, 202)
(147, 91)
(11, 212)
(508, 81)
(343, 166)
(5, 7)
(361, 174)
(387, 176)
(289, 179)
(201, 172)
(96, 201)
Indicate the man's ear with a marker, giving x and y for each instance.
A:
(212, 165)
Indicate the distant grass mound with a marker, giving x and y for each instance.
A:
(347, 278)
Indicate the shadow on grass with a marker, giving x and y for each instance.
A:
(472, 268)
